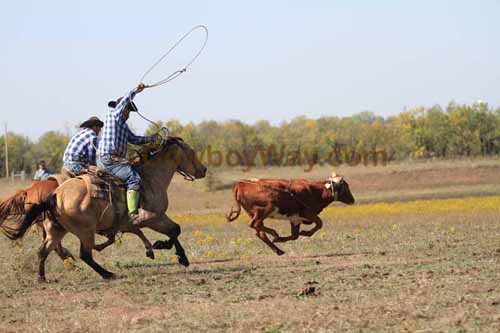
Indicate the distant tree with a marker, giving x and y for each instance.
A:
(50, 147)
(20, 153)
(464, 140)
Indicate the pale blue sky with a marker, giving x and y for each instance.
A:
(61, 61)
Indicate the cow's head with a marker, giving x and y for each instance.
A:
(340, 189)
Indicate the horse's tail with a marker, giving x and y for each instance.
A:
(49, 205)
(234, 213)
(13, 205)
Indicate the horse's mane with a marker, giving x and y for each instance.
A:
(145, 152)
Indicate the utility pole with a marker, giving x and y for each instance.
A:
(6, 139)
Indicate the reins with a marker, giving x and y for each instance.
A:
(184, 174)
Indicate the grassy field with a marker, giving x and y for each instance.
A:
(420, 252)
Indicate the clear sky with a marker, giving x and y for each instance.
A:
(61, 61)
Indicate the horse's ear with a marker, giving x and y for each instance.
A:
(175, 138)
(170, 141)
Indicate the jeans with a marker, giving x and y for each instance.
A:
(121, 169)
(75, 167)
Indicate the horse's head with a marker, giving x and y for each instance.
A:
(188, 163)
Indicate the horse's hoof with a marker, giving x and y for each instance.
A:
(280, 252)
(42, 279)
(150, 254)
(183, 260)
(109, 276)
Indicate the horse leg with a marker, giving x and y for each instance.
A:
(87, 243)
(41, 228)
(181, 254)
(317, 225)
(257, 223)
(147, 244)
(63, 252)
(53, 237)
(43, 253)
(110, 240)
(295, 227)
(165, 225)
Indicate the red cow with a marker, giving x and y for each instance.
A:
(297, 200)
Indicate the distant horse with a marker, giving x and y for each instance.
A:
(16, 206)
(72, 207)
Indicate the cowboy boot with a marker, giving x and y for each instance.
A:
(137, 215)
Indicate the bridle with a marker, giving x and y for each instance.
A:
(186, 175)
(164, 143)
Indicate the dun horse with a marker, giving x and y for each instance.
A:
(74, 210)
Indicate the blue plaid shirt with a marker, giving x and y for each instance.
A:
(116, 133)
(82, 147)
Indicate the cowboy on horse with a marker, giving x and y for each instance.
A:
(81, 150)
(113, 149)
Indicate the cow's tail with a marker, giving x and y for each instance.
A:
(47, 205)
(234, 213)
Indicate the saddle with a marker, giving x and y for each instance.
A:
(100, 184)
(103, 185)
(61, 177)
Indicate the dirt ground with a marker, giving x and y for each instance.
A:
(391, 272)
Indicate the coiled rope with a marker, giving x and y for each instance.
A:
(177, 73)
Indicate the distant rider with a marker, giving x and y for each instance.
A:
(42, 173)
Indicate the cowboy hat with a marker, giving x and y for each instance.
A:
(131, 105)
(91, 122)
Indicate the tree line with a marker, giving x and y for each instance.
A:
(458, 130)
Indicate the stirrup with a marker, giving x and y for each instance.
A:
(141, 216)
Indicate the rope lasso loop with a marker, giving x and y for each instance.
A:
(169, 78)
(176, 74)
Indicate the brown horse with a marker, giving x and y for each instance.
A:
(73, 209)
(16, 206)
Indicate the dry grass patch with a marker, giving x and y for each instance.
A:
(390, 272)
